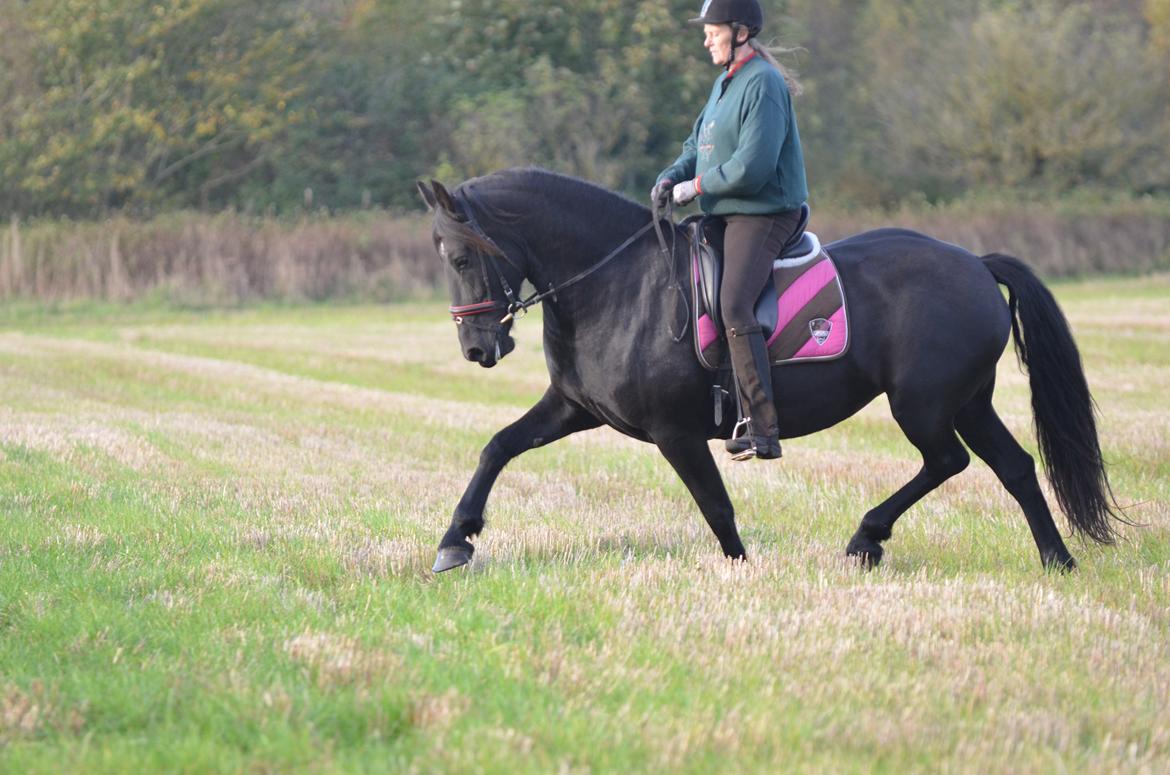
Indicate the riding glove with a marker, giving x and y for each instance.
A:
(660, 193)
(685, 192)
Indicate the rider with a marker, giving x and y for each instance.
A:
(744, 163)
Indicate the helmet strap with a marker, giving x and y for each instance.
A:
(735, 28)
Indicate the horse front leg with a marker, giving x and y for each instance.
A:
(691, 459)
(550, 419)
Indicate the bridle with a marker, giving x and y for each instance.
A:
(515, 306)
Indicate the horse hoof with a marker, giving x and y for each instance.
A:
(868, 552)
(451, 557)
(1060, 564)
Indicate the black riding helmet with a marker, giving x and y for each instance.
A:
(737, 13)
(746, 13)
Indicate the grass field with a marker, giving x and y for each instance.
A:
(218, 527)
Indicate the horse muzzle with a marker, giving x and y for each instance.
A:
(487, 358)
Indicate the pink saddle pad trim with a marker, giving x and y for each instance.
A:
(801, 292)
(707, 332)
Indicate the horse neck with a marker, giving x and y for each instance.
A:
(564, 240)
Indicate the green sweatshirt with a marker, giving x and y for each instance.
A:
(745, 148)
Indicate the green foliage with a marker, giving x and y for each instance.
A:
(1045, 96)
(134, 102)
(148, 105)
(607, 91)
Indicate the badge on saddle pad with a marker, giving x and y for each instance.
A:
(820, 329)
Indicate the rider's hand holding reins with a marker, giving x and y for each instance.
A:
(660, 194)
(685, 192)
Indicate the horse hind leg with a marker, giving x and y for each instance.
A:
(943, 456)
(986, 435)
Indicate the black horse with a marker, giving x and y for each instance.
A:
(929, 325)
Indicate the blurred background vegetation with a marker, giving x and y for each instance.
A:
(135, 109)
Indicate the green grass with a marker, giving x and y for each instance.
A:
(218, 526)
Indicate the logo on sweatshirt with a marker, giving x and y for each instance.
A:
(706, 141)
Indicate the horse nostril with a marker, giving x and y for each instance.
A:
(474, 354)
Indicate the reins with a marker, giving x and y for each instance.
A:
(515, 306)
(536, 298)
(668, 256)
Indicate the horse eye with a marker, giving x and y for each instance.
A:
(460, 262)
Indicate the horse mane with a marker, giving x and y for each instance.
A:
(519, 185)
(506, 198)
(527, 176)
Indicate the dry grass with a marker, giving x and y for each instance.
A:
(27, 715)
(226, 258)
(1058, 241)
(339, 660)
(230, 258)
(271, 578)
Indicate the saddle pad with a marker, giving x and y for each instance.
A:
(812, 321)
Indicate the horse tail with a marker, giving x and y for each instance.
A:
(1062, 406)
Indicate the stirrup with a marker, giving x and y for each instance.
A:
(753, 452)
(747, 454)
(739, 452)
(741, 435)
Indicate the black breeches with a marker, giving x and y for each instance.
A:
(750, 244)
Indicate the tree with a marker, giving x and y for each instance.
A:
(138, 103)
(1044, 96)
(145, 105)
(608, 91)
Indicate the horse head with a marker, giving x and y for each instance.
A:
(480, 277)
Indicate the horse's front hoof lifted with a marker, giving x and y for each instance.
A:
(451, 557)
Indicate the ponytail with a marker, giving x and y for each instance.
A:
(769, 56)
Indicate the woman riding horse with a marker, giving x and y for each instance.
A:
(743, 162)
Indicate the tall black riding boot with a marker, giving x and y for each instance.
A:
(753, 374)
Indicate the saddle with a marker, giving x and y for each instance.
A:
(801, 309)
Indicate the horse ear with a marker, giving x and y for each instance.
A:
(426, 194)
(445, 200)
